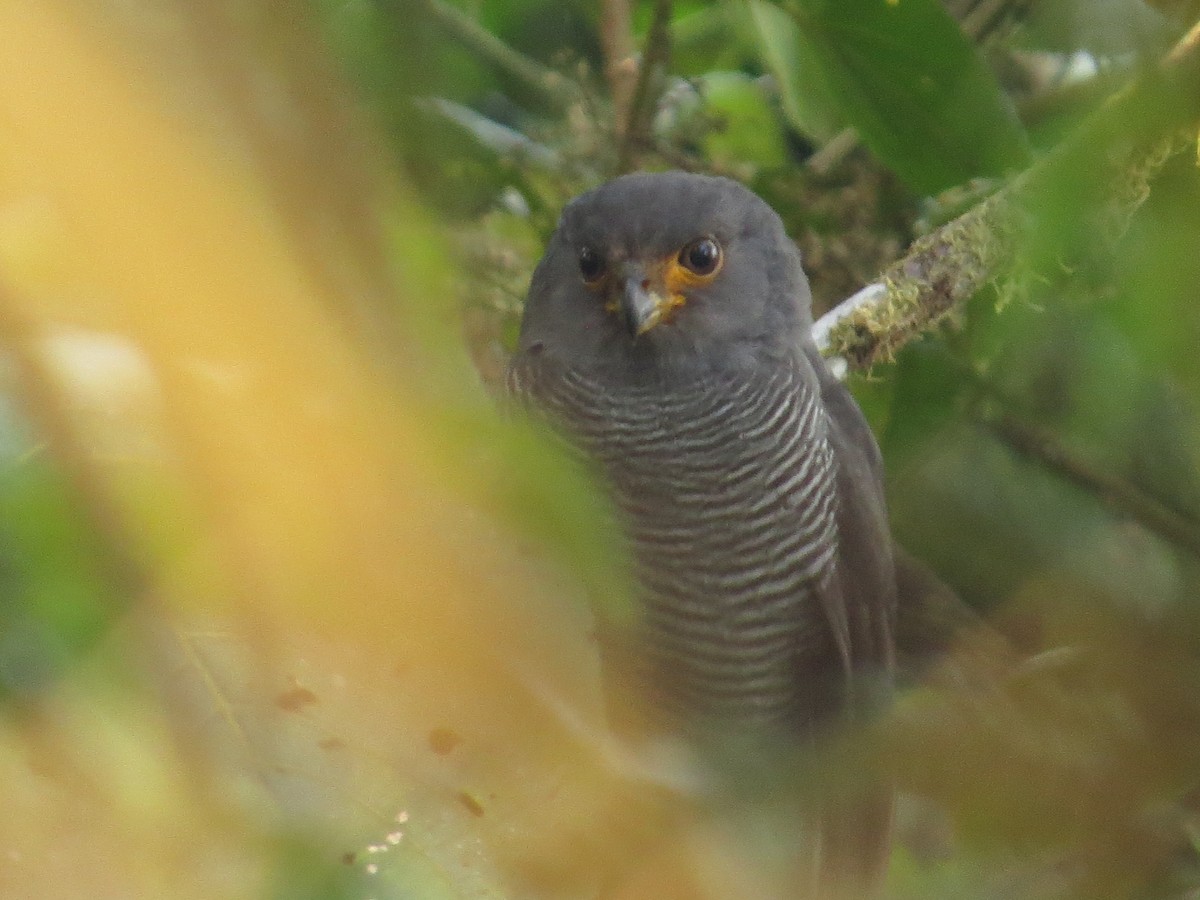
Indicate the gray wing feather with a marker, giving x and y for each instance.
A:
(862, 599)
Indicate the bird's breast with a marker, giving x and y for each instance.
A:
(727, 491)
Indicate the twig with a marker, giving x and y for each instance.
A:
(947, 267)
(507, 142)
(1187, 47)
(641, 108)
(833, 151)
(620, 67)
(1043, 446)
(978, 22)
(553, 87)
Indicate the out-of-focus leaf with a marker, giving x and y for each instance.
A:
(747, 131)
(1075, 756)
(906, 78)
(809, 99)
(1158, 271)
(709, 38)
(55, 601)
(287, 300)
(308, 871)
(927, 388)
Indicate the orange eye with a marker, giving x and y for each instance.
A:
(701, 257)
(591, 265)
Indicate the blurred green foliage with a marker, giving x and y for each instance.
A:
(907, 79)
(57, 597)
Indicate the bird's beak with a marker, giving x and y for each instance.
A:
(641, 302)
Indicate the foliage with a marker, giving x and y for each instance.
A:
(289, 607)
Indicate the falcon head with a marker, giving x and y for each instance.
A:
(667, 271)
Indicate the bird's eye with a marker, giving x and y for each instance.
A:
(701, 257)
(591, 265)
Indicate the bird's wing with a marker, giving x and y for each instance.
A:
(860, 601)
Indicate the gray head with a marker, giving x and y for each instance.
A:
(667, 272)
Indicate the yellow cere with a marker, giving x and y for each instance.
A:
(670, 281)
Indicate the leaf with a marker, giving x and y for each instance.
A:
(749, 131)
(57, 597)
(903, 75)
(926, 393)
(808, 99)
(713, 37)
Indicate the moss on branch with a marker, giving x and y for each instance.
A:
(1106, 168)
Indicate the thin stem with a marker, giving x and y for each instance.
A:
(641, 110)
(553, 87)
(620, 66)
(1040, 444)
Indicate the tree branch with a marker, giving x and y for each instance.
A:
(552, 87)
(620, 66)
(1122, 147)
(1040, 444)
(641, 109)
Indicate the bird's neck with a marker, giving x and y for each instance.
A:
(725, 483)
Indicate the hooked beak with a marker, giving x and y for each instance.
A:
(641, 306)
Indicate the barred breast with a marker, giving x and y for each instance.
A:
(727, 489)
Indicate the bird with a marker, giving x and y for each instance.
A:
(666, 337)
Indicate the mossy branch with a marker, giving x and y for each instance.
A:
(1121, 147)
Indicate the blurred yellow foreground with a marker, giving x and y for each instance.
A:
(330, 673)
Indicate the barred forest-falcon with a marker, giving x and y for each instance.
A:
(667, 335)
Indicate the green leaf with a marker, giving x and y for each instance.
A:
(925, 400)
(56, 600)
(809, 100)
(749, 131)
(713, 37)
(904, 75)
